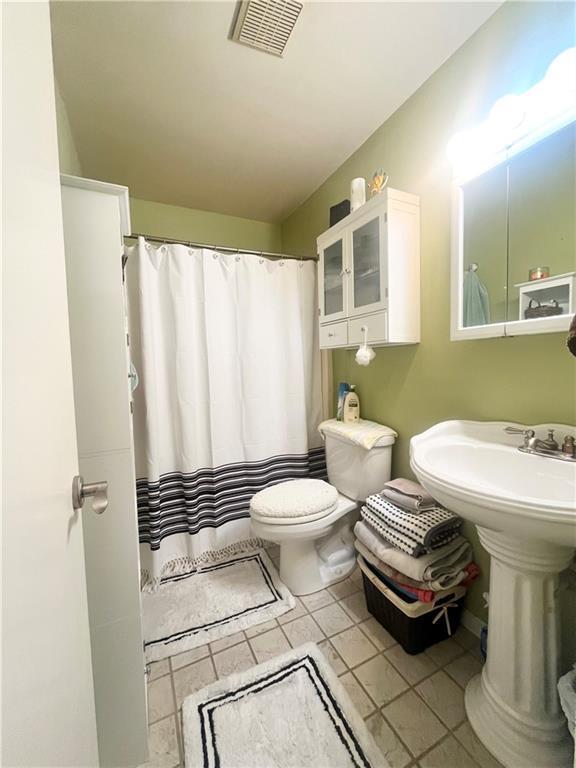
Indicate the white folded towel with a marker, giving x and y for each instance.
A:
(440, 565)
(364, 433)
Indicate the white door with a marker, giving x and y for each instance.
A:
(48, 716)
(95, 217)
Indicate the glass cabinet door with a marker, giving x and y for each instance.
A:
(367, 275)
(332, 290)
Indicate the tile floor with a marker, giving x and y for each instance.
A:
(413, 705)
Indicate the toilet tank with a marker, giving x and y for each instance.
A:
(355, 471)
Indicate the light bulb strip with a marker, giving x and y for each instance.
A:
(517, 121)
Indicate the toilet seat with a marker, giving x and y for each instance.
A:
(315, 550)
(294, 502)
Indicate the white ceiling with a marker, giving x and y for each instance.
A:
(161, 100)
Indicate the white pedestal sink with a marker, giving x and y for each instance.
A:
(524, 507)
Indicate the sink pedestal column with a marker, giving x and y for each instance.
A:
(513, 705)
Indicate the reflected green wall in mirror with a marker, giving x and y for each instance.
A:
(485, 243)
(517, 216)
(542, 211)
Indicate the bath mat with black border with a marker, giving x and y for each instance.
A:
(191, 609)
(290, 712)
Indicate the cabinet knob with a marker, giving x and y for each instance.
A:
(331, 333)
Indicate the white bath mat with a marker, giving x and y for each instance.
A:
(189, 610)
(290, 712)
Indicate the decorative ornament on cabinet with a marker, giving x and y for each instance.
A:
(379, 181)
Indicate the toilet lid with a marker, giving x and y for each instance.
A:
(295, 499)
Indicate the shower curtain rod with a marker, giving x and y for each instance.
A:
(226, 248)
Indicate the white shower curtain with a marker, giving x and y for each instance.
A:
(230, 374)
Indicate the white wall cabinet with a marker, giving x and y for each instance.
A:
(369, 274)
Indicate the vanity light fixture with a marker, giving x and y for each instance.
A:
(518, 120)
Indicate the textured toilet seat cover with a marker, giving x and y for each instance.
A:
(302, 499)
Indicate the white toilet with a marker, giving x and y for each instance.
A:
(312, 520)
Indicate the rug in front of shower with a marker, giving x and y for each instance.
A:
(290, 712)
(191, 609)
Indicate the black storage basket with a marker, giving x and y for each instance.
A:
(416, 626)
(542, 310)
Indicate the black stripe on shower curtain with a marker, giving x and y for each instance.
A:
(187, 502)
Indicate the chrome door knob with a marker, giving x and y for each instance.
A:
(98, 492)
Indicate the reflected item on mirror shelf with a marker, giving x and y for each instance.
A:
(343, 389)
(538, 273)
(357, 193)
(379, 181)
(339, 212)
(535, 309)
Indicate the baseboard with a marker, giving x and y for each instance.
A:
(472, 623)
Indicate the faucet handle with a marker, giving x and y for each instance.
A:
(528, 434)
(550, 442)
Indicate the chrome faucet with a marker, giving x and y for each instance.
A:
(548, 447)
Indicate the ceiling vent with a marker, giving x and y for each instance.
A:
(266, 24)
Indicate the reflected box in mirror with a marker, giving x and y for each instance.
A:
(538, 273)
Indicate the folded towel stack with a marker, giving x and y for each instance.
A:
(412, 543)
(413, 534)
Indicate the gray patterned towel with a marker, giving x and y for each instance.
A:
(413, 534)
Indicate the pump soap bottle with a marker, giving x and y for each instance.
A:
(351, 406)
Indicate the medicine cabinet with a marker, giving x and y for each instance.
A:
(514, 240)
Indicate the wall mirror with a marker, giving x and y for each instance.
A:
(514, 222)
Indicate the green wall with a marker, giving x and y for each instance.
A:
(170, 220)
(203, 226)
(524, 379)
